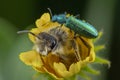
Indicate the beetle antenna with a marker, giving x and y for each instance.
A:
(27, 31)
(65, 13)
(77, 16)
(50, 11)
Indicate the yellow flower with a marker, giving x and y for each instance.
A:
(57, 50)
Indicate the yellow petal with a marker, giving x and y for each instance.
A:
(35, 31)
(85, 46)
(44, 28)
(90, 58)
(39, 69)
(43, 20)
(75, 67)
(92, 55)
(31, 58)
(61, 70)
(56, 76)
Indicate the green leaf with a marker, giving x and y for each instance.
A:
(89, 69)
(42, 76)
(102, 61)
(71, 78)
(99, 47)
(84, 75)
(99, 36)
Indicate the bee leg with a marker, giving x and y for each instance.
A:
(76, 48)
(70, 30)
(61, 25)
(86, 44)
(55, 30)
(59, 31)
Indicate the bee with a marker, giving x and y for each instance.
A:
(57, 42)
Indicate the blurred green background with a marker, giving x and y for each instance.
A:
(18, 15)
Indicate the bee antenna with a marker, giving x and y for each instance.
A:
(50, 11)
(27, 31)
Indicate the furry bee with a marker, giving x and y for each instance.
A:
(59, 42)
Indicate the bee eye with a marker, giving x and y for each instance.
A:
(48, 39)
(53, 44)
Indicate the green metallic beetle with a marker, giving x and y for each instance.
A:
(78, 26)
